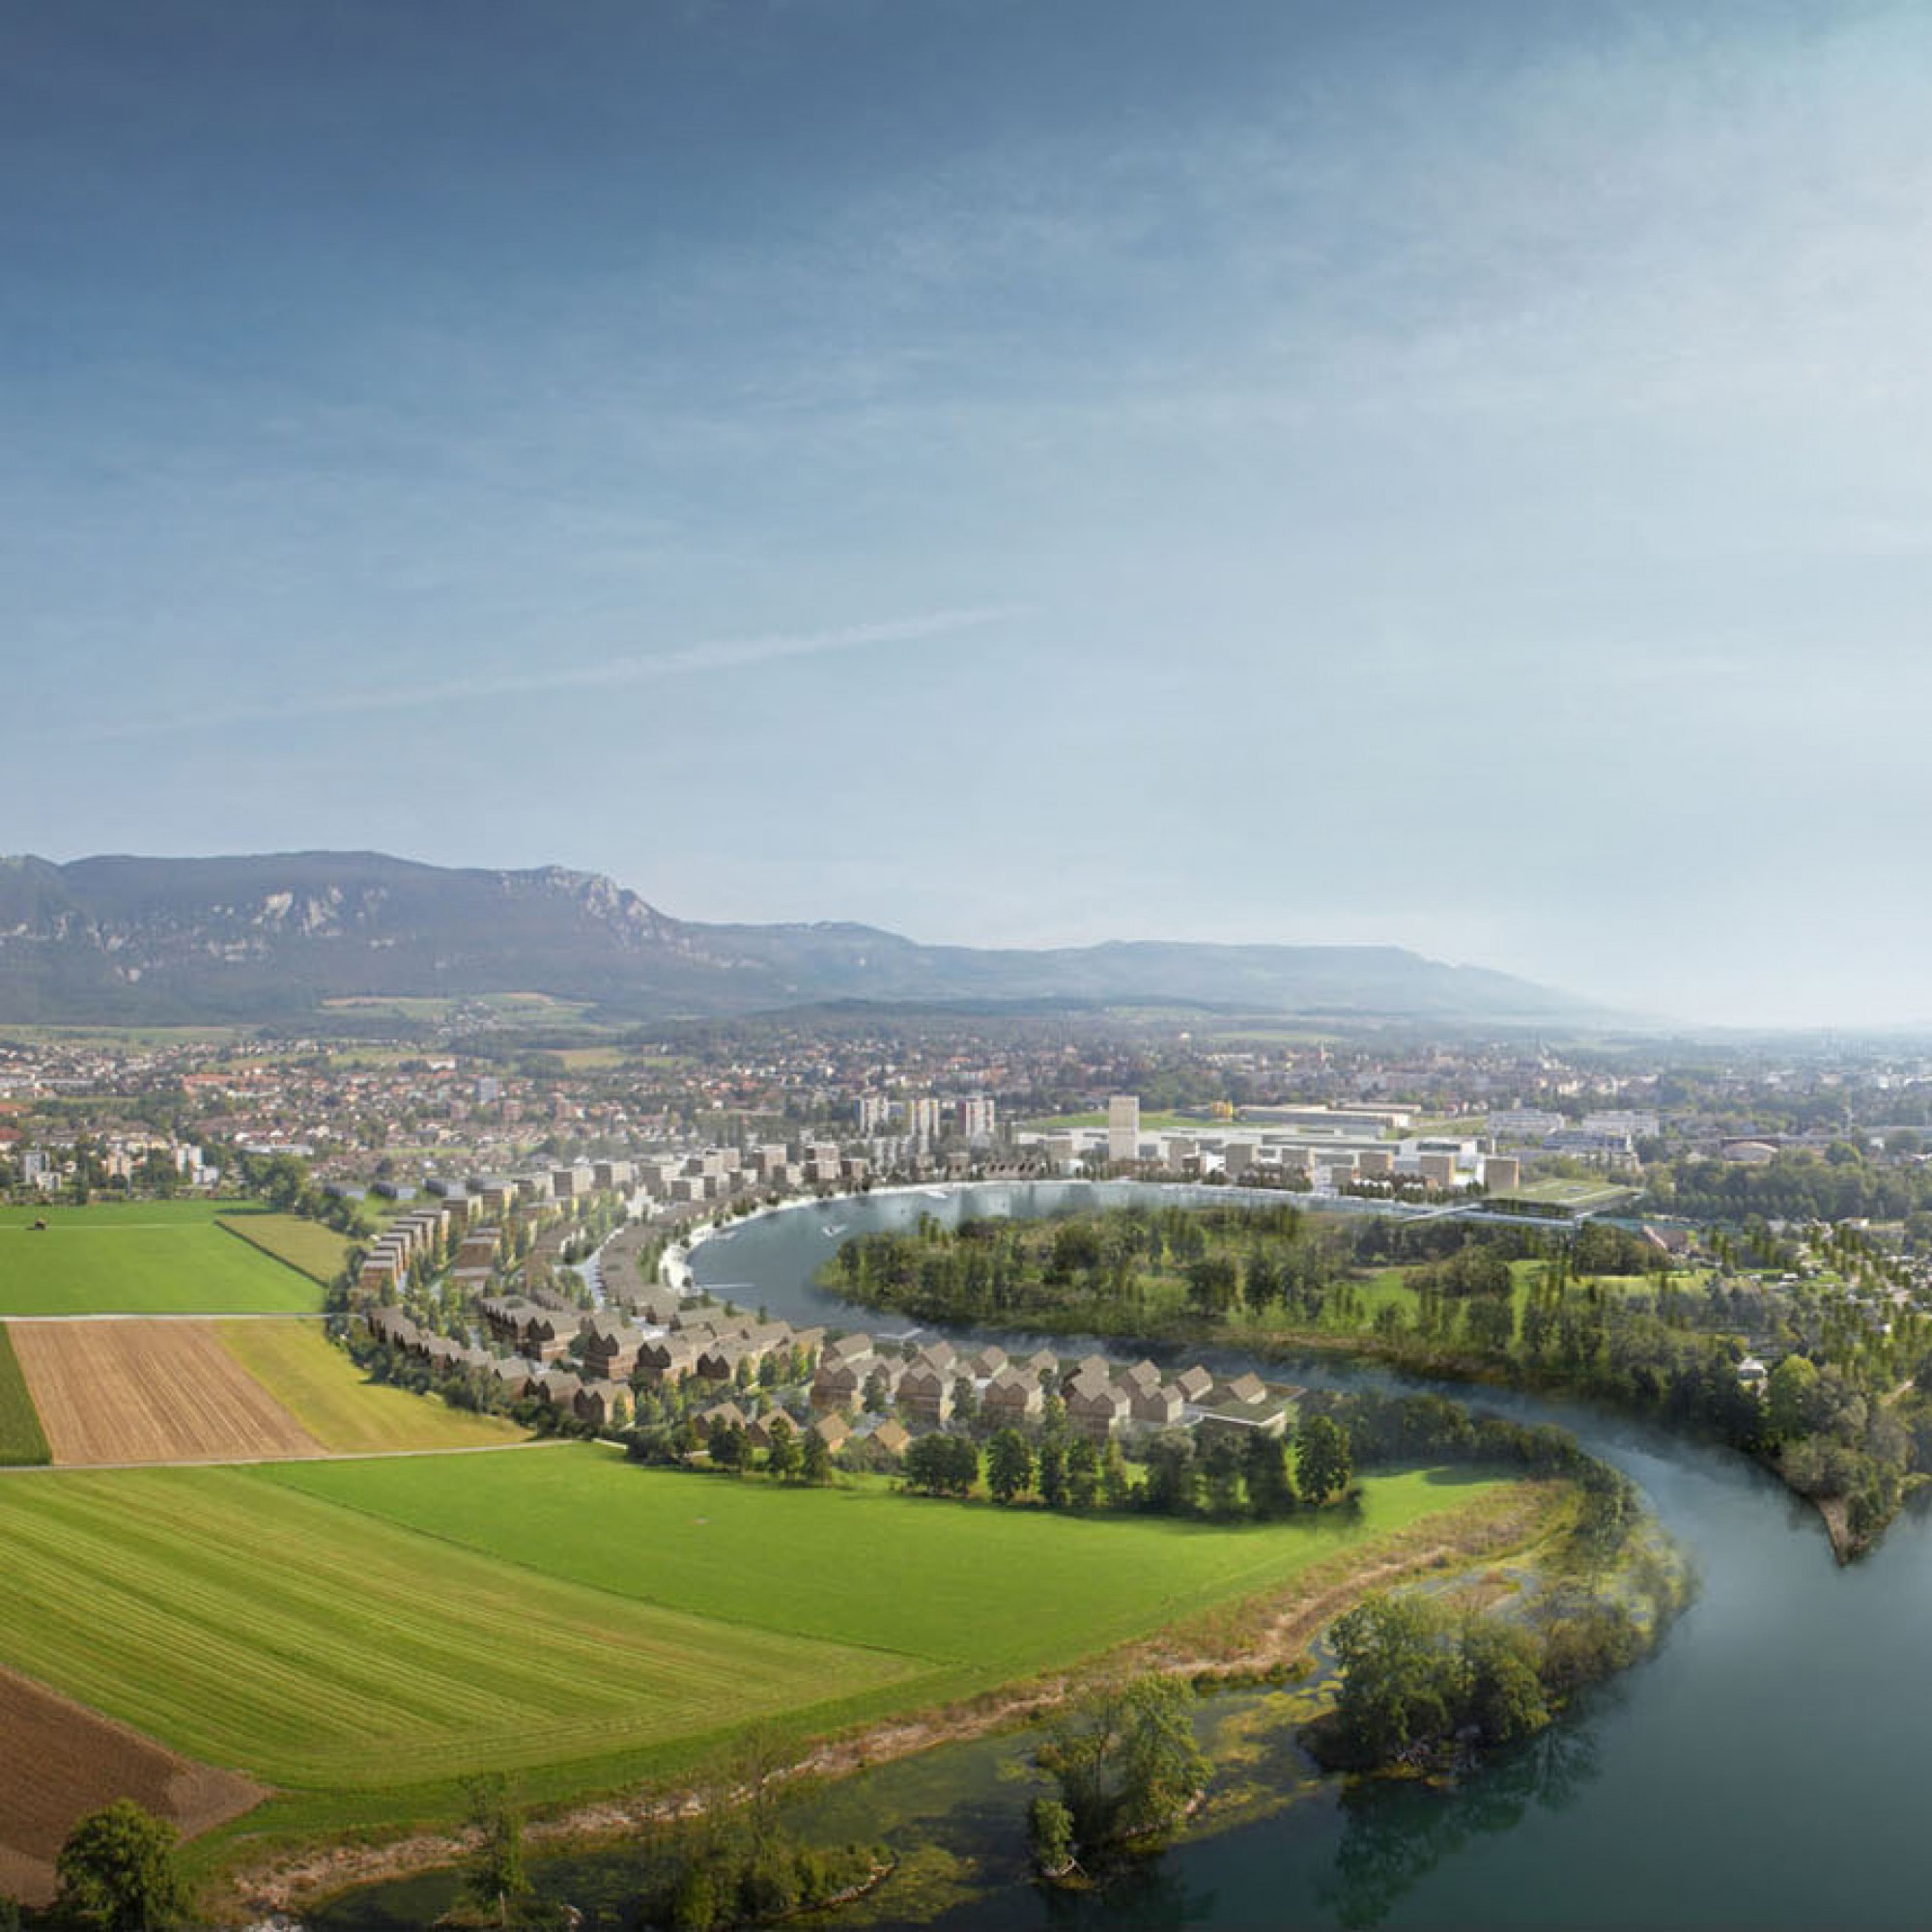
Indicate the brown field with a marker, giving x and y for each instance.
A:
(79, 1762)
(149, 1392)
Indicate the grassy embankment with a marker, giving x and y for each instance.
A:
(366, 1635)
(347, 1413)
(144, 1258)
(22, 1438)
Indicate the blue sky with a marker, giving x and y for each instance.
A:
(1007, 470)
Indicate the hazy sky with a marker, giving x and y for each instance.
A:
(1010, 471)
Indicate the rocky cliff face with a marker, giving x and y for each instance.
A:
(271, 937)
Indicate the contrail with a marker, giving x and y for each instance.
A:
(683, 661)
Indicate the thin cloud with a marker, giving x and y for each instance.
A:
(685, 661)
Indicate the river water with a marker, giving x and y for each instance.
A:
(1763, 1768)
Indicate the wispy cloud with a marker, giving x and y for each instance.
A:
(719, 654)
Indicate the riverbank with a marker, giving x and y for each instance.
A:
(1266, 1634)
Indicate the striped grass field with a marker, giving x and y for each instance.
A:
(265, 1630)
(984, 1595)
(21, 1436)
(326, 1393)
(307, 1246)
(142, 1257)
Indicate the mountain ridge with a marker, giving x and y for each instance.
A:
(118, 938)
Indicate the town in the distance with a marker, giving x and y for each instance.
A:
(967, 1277)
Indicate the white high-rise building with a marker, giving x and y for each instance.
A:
(1123, 1127)
(922, 1118)
(976, 1116)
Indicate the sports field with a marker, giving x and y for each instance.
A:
(142, 1257)
(256, 1628)
(149, 1392)
(327, 1393)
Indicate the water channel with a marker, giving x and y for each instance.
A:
(1763, 1769)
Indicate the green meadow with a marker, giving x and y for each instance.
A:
(366, 1635)
(322, 1651)
(980, 1595)
(143, 1258)
(308, 1247)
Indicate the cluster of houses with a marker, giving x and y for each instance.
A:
(1101, 1397)
(587, 1365)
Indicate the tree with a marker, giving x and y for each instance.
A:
(1264, 1471)
(1053, 1472)
(1221, 1466)
(1009, 1465)
(1126, 1763)
(1173, 1481)
(1050, 1836)
(816, 1463)
(1083, 1473)
(784, 1458)
(117, 1871)
(1321, 1465)
(496, 1881)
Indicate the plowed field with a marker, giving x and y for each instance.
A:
(70, 1761)
(149, 1392)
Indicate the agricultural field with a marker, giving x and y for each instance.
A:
(329, 1397)
(21, 1438)
(149, 1392)
(78, 1758)
(317, 1648)
(142, 1257)
(307, 1246)
(366, 1635)
(860, 1564)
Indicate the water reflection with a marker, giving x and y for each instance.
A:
(1393, 1835)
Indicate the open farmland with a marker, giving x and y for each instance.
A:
(149, 1392)
(984, 1595)
(307, 1246)
(79, 1761)
(319, 1649)
(142, 1257)
(21, 1440)
(347, 1414)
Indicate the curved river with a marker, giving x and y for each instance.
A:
(1760, 1770)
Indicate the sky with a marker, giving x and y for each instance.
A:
(1014, 471)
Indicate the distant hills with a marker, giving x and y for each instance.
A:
(271, 938)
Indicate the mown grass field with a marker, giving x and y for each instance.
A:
(326, 1393)
(367, 1635)
(142, 1257)
(307, 1246)
(260, 1629)
(982, 1594)
(21, 1436)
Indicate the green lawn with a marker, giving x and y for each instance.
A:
(329, 1395)
(21, 1440)
(308, 1247)
(142, 1257)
